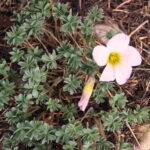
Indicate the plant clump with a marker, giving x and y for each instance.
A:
(50, 62)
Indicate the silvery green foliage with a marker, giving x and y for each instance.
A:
(23, 101)
(53, 104)
(16, 36)
(119, 100)
(3, 68)
(31, 132)
(10, 143)
(119, 115)
(88, 67)
(31, 22)
(74, 130)
(16, 54)
(70, 145)
(71, 84)
(35, 75)
(125, 146)
(100, 91)
(6, 90)
(71, 23)
(50, 60)
(68, 111)
(112, 120)
(73, 56)
(16, 114)
(60, 10)
(95, 13)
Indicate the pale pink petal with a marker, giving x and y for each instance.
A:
(122, 73)
(119, 42)
(100, 55)
(108, 74)
(132, 56)
(136, 147)
(87, 91)
(83, 102)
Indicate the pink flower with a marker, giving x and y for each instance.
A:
(137, 148)
(87, 91)
(119, 57)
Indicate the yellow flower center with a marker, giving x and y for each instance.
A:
(114, 58)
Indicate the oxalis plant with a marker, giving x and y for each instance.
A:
(53, 58)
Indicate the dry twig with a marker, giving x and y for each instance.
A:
(138, 28)
(127, 124)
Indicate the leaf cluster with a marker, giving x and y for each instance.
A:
(101, 90)
(71, 84)
(74, 130)
(30, 132)
(6, 90)
(30, 22)
(118, 116)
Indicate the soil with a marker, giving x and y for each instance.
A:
(129, 15)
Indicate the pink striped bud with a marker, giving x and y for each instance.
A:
(86, 94)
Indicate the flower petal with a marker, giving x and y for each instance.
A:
(108, 74)
(83, 102)
(100, 55)
(122, 73)
(132, 56)
(119, 42)
(87, 91)
(135, 147)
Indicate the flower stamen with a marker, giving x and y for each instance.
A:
(114, 58)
